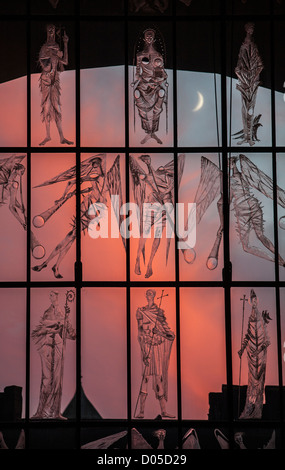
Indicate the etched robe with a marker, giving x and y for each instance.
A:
(49, 342)
(155, 346)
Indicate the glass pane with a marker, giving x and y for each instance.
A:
(205, 438)
(249, 83)
(13, 84)
(279, 82)
(13, 353)
(53, 216)
(153, 349)
(280, 166)
(254, 346)
(198, 84)
(104, 353)
(147, 7)
(13, 439)
(202, 7)
(52, 7)
(9, 8)
(150, 225)
(201, 182)
(13, 217)
(112, 7)
(103, 246)
(254, 438)
(203, 354)
(278, 7)
(150, 85)
(104, 438)
(52, 353)
(160, 437)
(52, 84)
(56, 438)
(282, 315)
(102, 92)
(251, 217)
(248, 7)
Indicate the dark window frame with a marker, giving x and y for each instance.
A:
(226, 283)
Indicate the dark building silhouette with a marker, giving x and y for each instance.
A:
(11, 403)
(88, 411)
(218, 403)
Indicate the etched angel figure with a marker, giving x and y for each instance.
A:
(54, 3)
(11, 175)
(248, 69)
(52, 61)
(156, 340)
(152, 6)
(150, 86)
(148, 6)
(11, 192)
(153, 186)
(50, 336)
(255, 342)
(101, 184)
(246, 207)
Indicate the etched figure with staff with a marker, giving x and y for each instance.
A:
(50, 338)
(52, 61)
(256, 342)
(248, 183)
(156, 340)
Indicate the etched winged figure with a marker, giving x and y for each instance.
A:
(156, 187)
(101, 184)
(247, 208)
(256, 342)
(11, 193)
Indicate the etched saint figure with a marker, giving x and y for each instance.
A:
(50, 337)
(255, 342)
(156, 340)
(248, 69)
(150, 86)
(52, 61)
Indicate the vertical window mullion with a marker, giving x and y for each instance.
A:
(127, 193)
(28, 247)
(275, 219)
(177, 289)
(78, 263)
(227, 263)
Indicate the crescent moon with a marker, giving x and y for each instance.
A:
(200, 102)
